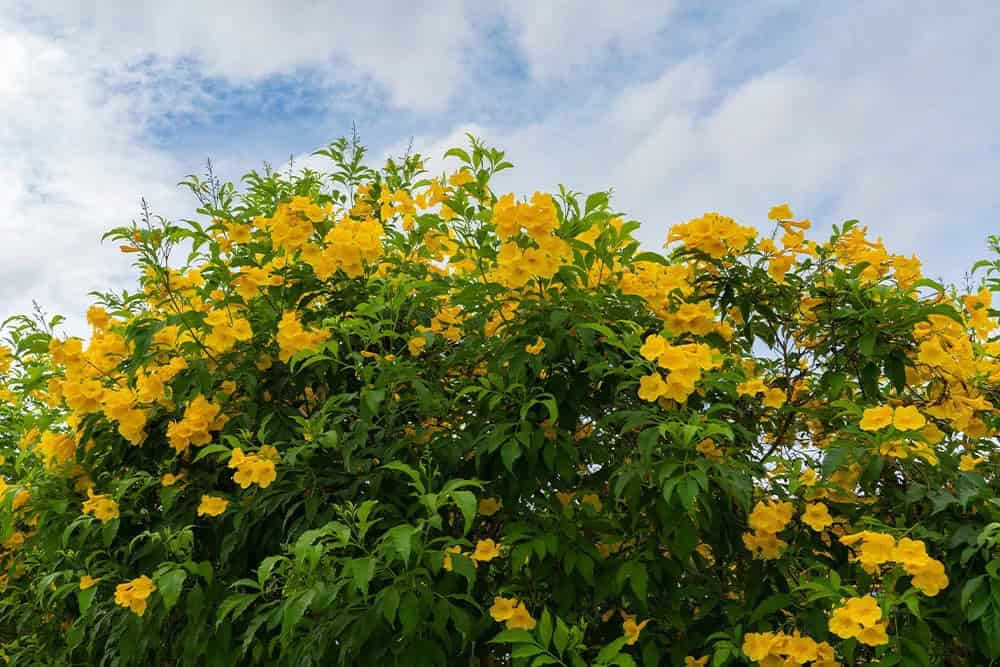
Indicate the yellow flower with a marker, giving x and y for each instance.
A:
(809, 477)
(486, 550)
(855, 616)
(201, 417)
(691, 661)
(593, 500)
(502, 609)
(169, 479)
(101, 506)
(654, 346)
(521, 619)
(768, 544)
(293, 338)
(817, 516)
(779, 266)
(780, 212)
(928, 575)
(774, 398)
(460, 178)
(876, 419)
(98, 318)
(771, 517)
(875, 549)
(651, 387)
(536, 347)
(212, 506)
(252, 469)
(632, 629)
(710, 450)
(86, 581)
(135, 594)
(489, 506)
(56, 449)
(908, 419)
(757, 645)
(968, 463)
(416, 345)
(874, 635)
(864, 610)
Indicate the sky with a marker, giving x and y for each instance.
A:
(879, 111)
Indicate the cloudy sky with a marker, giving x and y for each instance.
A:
(882, 111)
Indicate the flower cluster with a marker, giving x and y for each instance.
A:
(134, 595)
(294, 338)
(860, 618)
(513, 613)
(685, 364)
(253, 468)
(713, 234)
(767, 520)
(778, 648)
(201, 417)
(101, 505)
(877, 549)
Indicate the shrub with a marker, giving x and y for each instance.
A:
(375, 417)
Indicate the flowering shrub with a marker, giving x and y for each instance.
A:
(372, 417)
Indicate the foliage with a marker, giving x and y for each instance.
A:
(375, 417)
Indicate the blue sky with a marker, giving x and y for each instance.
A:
(879, 111)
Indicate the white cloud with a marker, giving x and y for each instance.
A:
(558, 35)
(421, 54)
(886, 116)
(414, 51)
(73, 168)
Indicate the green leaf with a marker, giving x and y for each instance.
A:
(833, 459)
(401, 539)
(209, 450)
(265, 568)
(294, 610)
(202, 568)
(390, 603)
(458, 153)
(914, 654)
(409, 613)
(463, 566)
(597, 200)
(653, 257)
(894, 367)
(510, 453)
(867, 343)
(361, 570)
(526, 651)
(170, 584)
(769, 606)
(84, 598)
(412, 473)
(611, 651)
(467, 503)
(233, 606)
(372, 399)
(560, 637)
(869, 380)
(513, 637)
(544, 628)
